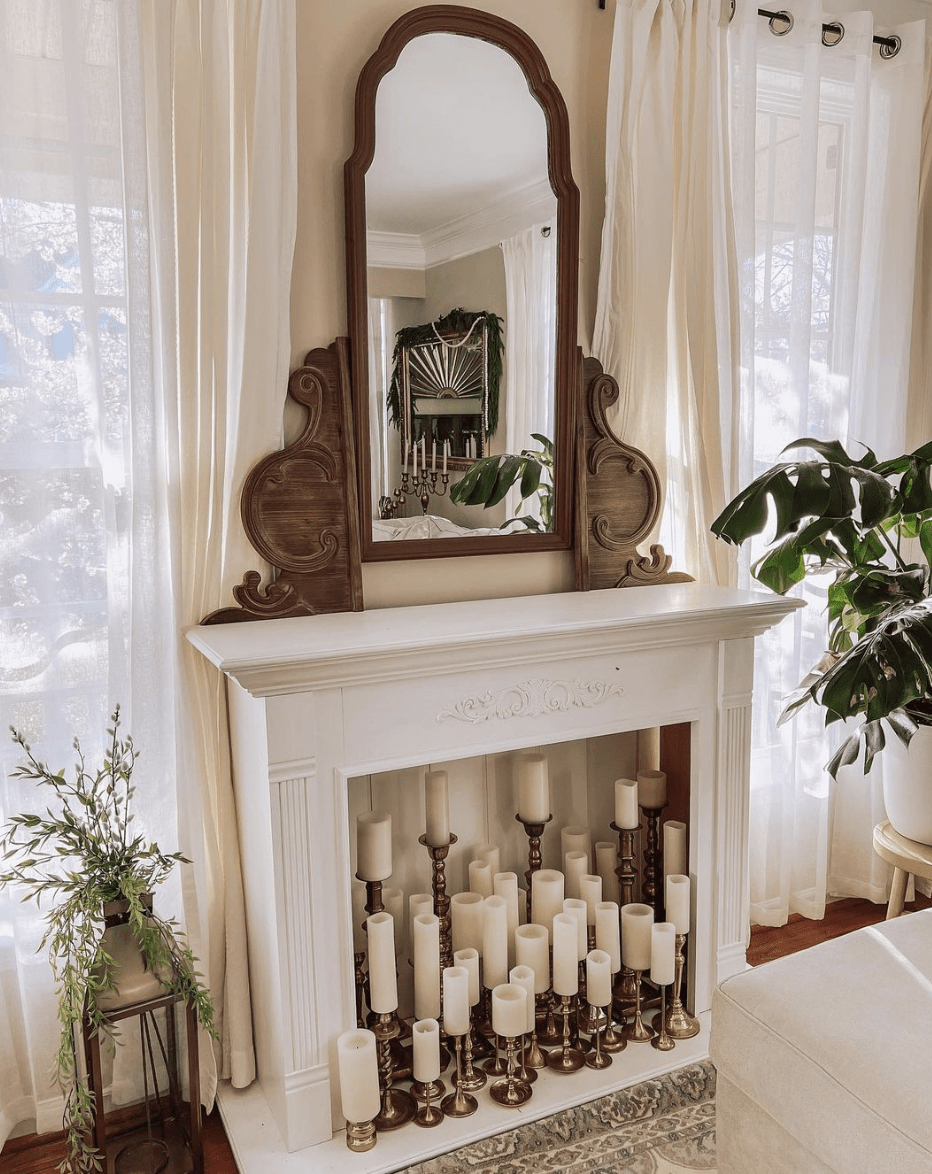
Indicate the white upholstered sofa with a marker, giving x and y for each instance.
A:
(824, 1057)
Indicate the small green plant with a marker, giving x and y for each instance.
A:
(82, 854)
(490, 478)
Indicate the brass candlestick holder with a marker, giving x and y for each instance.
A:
(597, 1058)
(534, 832)
(534, 1054)
(360, 1136)
(637, 1030)
(496, 1066)
(400, 1058)
(438, 857)
(566, 1058)
(651, 884)
(678, 1022)
(473, 1078)
(459, 1103)
(424, 1092)
(511, 1091)
(429, 1115)
(359, 979)
(525, 1071)
(612, 1040)
(662, 1041)
(421, 486)
(624, 990)
(398, 1106)
(551, 1032)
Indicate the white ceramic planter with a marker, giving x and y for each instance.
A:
(907, 785)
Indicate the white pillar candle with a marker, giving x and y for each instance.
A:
(469, 960)
(606, 861)
(466, 915)
(546, 896)
(437, 808)
(677, 901)
(598, 978)
(426, 966)
(532, 949)
(495, 942)
(636, 922)
(575, 839)
(374, 845)
(523, 976)
(417, 903)
(652, 788)
(383, 986)
(359, 1075)
(577, 908)
(394, 901)
(565, 960)
(425, 1036)
(626, 803)
(480, 878)
(608, 932)
(533, 788)
(505, 884)
(675, 855)
(590, 891)
(490, 854)
(509, 1010)
(662, 952)
(358, 904)
(575, 865)
(456, 1000)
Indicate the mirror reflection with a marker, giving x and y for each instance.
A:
(461, 251)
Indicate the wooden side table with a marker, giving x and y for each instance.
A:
(908, 857)
(169, 1138)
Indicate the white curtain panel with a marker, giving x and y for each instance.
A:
(530, 259)
(221, 123)
(667, 280)
(826, 171)
(383, 438)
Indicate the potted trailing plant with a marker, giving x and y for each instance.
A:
(490, 478)
(869, 523)
(82, 860)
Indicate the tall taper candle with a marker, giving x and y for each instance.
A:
(606, 860)
(469, 960)
(636, 922)
(426, 966)
(425, 1035)
(374, 845)
(437, 805)
(662, 952)
(652, 788)
(359, 1075)
(677, 901)
(626, 803)
(575, 865)
(509, 1010)
(383, 986)
(598, 978)
(533, 788)
(675, 858)
(455, 1000)
(532, 948)
(546, 896)
(608, 932)
(466, 916)
(565, 955)
(495, 942)
(505, 884)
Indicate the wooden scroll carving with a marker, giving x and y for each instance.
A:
(299, 505)
(618, 498)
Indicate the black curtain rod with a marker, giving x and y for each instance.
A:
(832, 32)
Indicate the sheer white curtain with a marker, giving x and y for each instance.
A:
(826, 176)
(530, 259)
(665, 312)
(126, 427)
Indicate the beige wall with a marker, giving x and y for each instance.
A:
(335, 38)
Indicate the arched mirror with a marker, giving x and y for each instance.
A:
(462, 222)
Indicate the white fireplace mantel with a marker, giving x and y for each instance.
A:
(320, 701)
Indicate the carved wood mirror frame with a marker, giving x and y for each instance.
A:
(447, 18)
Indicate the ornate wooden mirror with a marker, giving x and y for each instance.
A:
(462, 226)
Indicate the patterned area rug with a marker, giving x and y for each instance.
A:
(664, 1126)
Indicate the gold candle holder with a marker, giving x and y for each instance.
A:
(398, 1106)
(534, 832)
(459, 1103)
(637, 1030)
(612, 1040)
(438, 857)
(624, 990)
(424, 1092)
(511, 1091)
(566, 1058)
(360, 1136)
(662, 1041)
(551, 1033)
(534, 1054)
(429, 1115)
(598, 1058)
(473, 1078)
(651, 887)
(359, 979)
(678, 1022)
(496, 1066)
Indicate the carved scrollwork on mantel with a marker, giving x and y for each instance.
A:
(618, 498)
(299, 505)
(532, 698)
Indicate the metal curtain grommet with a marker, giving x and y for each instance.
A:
(890, 46)
(832, 33)
(785, 18)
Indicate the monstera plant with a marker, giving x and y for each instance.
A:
(490, 478)
(869, 523)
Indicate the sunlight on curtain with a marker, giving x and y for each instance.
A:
(825, 166)
(381, 435)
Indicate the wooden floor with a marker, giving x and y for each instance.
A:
(32, 1155)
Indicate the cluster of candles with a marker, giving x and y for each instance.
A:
(576, 957)
(421, 444)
